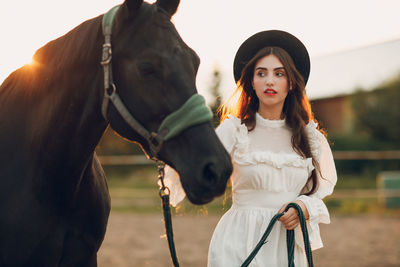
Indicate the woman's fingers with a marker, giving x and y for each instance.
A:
(290, 214)
(303, 208)
(290, 219)
(282, 209)
(291, 225)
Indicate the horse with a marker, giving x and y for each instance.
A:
(54, 199)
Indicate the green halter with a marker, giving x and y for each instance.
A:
(194, 111)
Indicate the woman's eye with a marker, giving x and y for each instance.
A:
(280, 74)
(260, 74)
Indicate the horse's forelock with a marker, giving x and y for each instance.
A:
(170, 6)
(133, 5)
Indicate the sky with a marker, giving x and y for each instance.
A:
(213, 28)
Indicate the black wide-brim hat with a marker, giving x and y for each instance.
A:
(282, 39)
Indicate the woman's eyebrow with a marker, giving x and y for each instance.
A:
(264, 68)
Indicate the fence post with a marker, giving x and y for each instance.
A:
(388, 183)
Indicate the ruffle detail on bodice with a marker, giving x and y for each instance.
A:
(243, 156)
(314, 139)
(276, 160)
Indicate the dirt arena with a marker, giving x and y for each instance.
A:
(135, 240)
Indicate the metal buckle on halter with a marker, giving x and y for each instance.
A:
(111, 90)
(107, 54)
(156, 141)
(164, 190)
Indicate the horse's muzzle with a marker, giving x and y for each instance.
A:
(210, 182)
(203, 164)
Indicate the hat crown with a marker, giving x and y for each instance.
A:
(288, 42)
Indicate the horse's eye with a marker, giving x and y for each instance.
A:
(146, 69)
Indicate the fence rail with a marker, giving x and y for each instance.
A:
(364, 193)
(125, 160)
(369, 155)
(338, 155)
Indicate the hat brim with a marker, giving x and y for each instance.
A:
(282, 39)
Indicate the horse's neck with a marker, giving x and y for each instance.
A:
(55, 104)
(74, 124)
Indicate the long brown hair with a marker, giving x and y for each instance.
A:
(296, 108)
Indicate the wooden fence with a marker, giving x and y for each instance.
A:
(338, 155)
(379, 193)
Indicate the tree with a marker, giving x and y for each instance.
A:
(113, 144)
(378, 112)
(215, 92)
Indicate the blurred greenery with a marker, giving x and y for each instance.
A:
(137, 191)
(376, 116)
(349, 181)
(113, 144)
(132, 177)
(354, 206)
(215, 91)
(377, 113)
(366, 168)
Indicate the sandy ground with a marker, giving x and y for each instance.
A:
(135, 240)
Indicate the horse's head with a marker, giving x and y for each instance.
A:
(154, 72)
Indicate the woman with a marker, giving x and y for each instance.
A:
(278, 153)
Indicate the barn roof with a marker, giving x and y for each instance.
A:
(344, 72)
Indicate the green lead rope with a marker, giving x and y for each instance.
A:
(169, 230)
(164, 195)
(289, 238)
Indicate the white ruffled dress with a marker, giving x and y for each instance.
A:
(267, 174)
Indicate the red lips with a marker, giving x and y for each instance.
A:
(270, 91)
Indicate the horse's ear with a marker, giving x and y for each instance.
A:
(133, 5)
(169, 5)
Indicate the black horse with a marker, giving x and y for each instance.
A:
(54, 200)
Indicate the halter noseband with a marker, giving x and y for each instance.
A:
(192, 112)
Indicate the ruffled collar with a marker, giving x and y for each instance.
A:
(242, 155)
(269, 123)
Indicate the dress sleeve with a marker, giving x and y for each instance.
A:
(327, 179)
(173, 182)
(226, 133)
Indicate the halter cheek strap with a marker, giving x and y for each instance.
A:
(194, 111)
(109, 86)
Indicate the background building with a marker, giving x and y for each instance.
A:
(336, 77)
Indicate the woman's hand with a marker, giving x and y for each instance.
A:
(290, 219)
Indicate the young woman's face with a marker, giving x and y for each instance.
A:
(271, 83)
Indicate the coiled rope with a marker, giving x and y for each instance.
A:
(289, 238)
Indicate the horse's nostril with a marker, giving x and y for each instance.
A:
(210, 174)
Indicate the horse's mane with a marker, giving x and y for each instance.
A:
(54, 59)
(34, 98)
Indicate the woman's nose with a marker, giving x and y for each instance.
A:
(269, 80)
